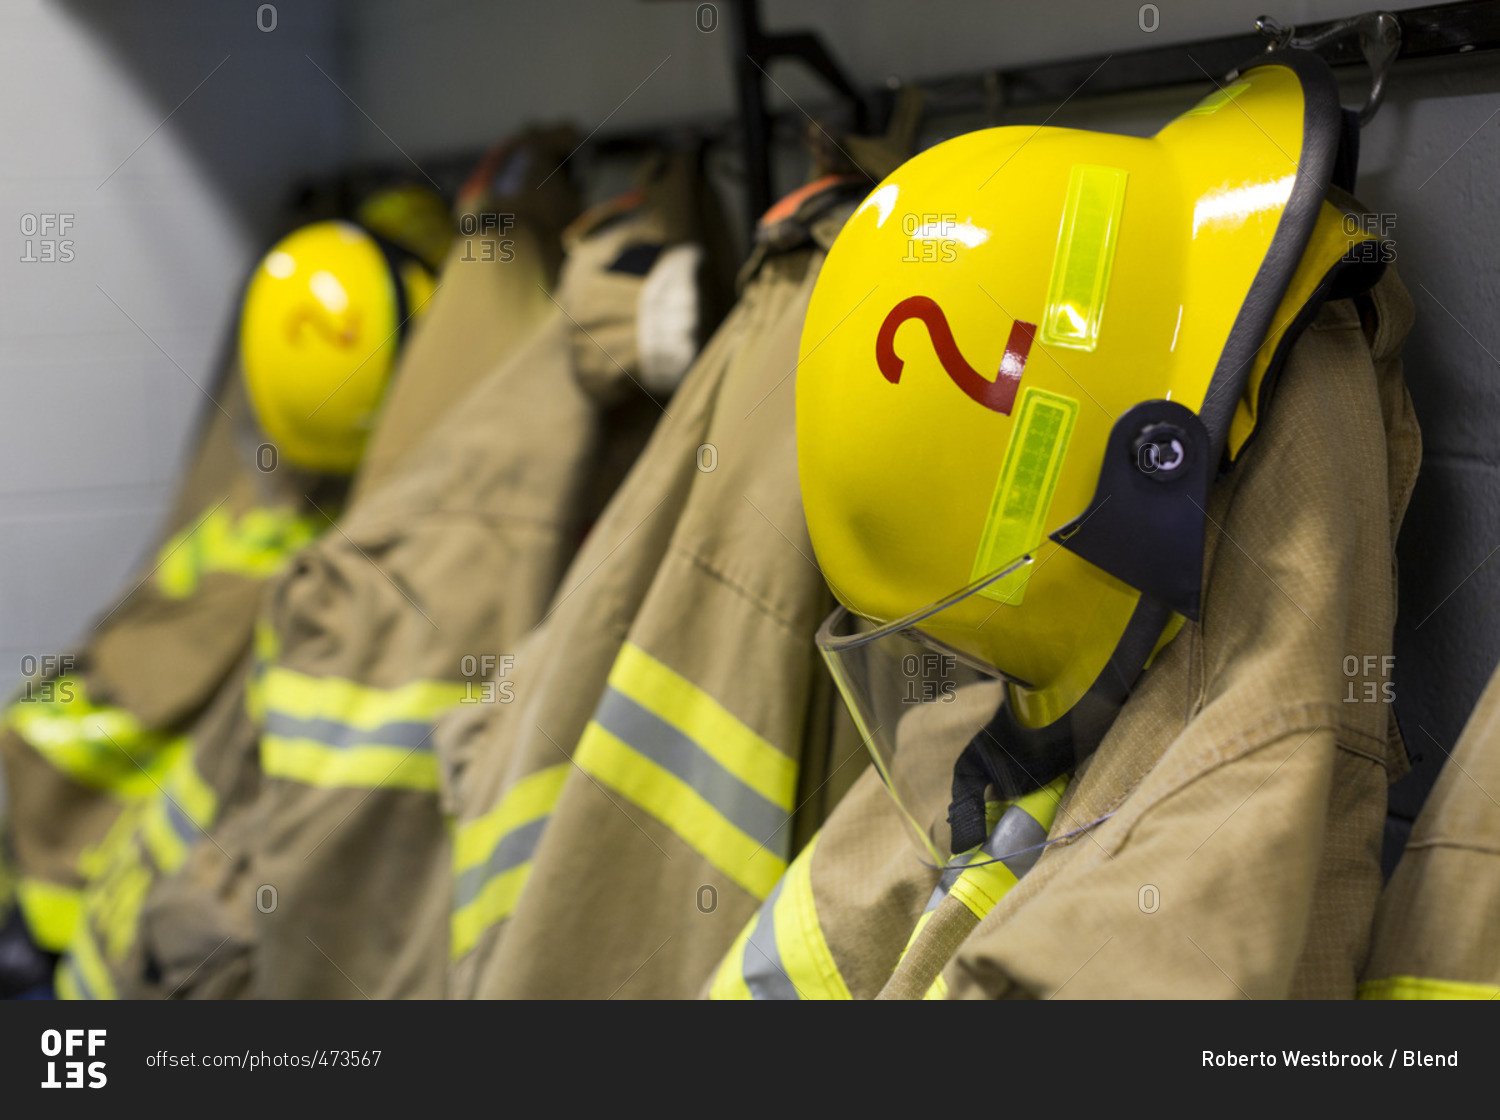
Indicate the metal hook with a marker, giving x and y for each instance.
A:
(1379, 41)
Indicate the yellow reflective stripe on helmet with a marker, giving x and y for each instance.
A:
(1017, 519)
(679, 754)
(1084, 256)
(51, 911)
(704, 720)
(82, 974)
(1217, 99)
(492, 855)
(782, 953)
(98, 745)
(253, 545)
(1425, 987)
(328, 731)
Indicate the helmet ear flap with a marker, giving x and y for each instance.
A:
(1147, 521)
(397, 257)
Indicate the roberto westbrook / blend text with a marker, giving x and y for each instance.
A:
(1331, 1059)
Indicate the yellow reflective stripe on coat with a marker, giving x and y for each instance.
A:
(51, 912)
(149, 839)
(981, 877)
(680, 755)
(327, 731)
(82, 974)
(729, 981)
(97, 745)
(492, 855)
(267, 653)
(781, 953)
(175, 820)
(254, 545)
(1426, 987)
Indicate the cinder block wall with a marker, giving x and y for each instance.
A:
(143, 152)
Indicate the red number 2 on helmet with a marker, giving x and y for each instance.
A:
(998, 395)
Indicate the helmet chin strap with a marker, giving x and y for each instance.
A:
(1017, 759)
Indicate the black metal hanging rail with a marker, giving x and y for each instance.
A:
(754, 50)
(1428, 32)
(1433, 31)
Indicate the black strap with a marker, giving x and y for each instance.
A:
(1016, 759)
(971, 778)
(396, 256)
(1346, 162)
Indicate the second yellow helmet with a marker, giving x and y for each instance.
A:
(322, 322)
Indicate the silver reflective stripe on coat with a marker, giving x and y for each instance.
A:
(673, 751)
(764, 975)
(1016, 841)
(182, 824)
(331, 733)
(514, 849)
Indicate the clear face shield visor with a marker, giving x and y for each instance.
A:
(919, 703)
